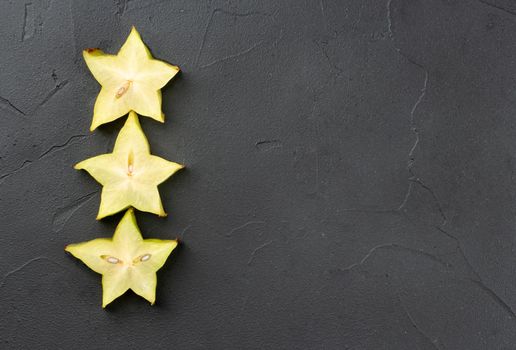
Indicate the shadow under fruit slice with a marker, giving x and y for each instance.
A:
(126, 261)
(130, 80)
(130, 175)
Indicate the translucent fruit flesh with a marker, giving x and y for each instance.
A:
(130, 80)
(126, 261)
(130, 175)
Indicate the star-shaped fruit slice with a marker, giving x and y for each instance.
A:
(126, 261)
(130, 175)
(131, 80)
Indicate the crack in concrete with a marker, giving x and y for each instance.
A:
(399, 247)
(333, 67)
(267, 145)
(495, 297)
(205, 35)
(185, 230)
(29, 17)
(240, 53)
(459, 248)
(389, 19)
(63, 214)
(9, 105)
(256, 250)
(42, 155)
(415, 325)
(121, 7)
(487, 3)
(230, 233)
(25, 264)
(323, 14)
(51, 93)
(413, 178)
(478, 279)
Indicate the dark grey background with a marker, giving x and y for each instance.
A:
(350, 180)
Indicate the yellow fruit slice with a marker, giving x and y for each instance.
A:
(131, 80)
(127, 261)
(130, 175)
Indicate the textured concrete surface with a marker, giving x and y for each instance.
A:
(350, 180)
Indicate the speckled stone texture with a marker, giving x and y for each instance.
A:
(350, 178)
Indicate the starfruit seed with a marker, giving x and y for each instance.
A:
(145, 257)
(110, 259)
(123, 89)
(130, 163)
